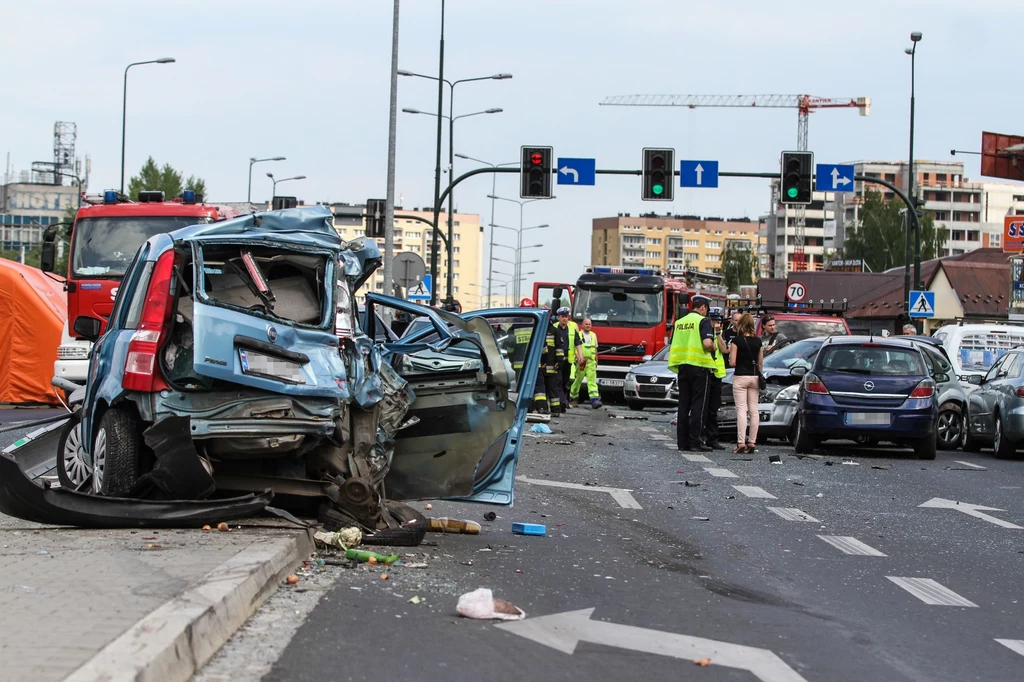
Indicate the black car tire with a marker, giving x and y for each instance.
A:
(405, 535)
(334, 519)
(804, 443)
(949, 427)
(1001, 445)
(116, 467)
(71, 435)
(793, 431)
(635, 405)
(968, 442)
(925, 448)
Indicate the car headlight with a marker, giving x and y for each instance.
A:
(630, 377)
(789, 393)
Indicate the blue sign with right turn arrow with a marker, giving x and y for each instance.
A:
(834, 178)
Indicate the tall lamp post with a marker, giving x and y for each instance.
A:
(271, 176)
(494, 190)
(442, 81)
(522, 203)
(124, 104)
(915, 38)
(252, 160)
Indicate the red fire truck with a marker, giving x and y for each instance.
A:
(633, 310)
(104, 239)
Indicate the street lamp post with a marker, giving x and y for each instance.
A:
(274, 191)
(252, 160)
(521, 203)
(915, 38)
(494, 190)
(442, 81)
(124, 104)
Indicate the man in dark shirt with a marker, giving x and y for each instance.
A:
(730, 332)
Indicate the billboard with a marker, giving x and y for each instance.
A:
(845, 265)
(1016, 311)
(1013, 234)
(1001, 156)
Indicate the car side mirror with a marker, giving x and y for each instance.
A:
(87, 327)
(646, 358)
(798, 371)
(975, 379)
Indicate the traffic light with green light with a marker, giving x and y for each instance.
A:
(535, 172)
(658, 174)
(795, 187)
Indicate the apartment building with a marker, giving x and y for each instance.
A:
(779, 233)
(668, 241)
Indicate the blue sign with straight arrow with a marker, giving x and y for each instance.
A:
(698, 173)
(834, 178)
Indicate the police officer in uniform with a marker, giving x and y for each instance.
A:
(692, 356)
(711, 435)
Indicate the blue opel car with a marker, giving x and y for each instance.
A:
(236, 361)
(867, 388)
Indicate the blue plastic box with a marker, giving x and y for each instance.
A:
(529, 529)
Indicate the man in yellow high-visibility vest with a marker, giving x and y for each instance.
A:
(692, 356)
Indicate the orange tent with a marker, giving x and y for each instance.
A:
(33, 310)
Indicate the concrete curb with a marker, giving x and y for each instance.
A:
(178, 638)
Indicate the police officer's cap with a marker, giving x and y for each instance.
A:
(699, 300)
(562, 311)
(716, 314)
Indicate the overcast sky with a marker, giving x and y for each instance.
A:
(310, 80)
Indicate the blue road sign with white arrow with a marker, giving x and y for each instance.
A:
(421, 290)
(922, 304)
(834, 178)
(576, 171)
(698, 173)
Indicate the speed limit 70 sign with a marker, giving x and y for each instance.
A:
(796, 292)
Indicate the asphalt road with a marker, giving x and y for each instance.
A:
(897, 591)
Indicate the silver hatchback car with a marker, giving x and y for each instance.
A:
(995, 411)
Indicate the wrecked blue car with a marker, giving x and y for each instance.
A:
(236, 362)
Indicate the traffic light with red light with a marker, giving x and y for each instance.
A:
(535, 172)
(795, 187)
(658, 174)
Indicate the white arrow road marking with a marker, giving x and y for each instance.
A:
(838, 179)
(720, 473)
(974, 510)
(563, 631)
(620, 495)
(1013, 645)
(661, 436)
(973, 466)
(565, 170)
(700, 174)
(931, 592)
(850, 545)
(791, 514)
(699, 458)
(754, 491)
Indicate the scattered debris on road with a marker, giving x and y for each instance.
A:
(698, 518)
(529, 528)
(343, 539)
(292, 579)
(807, 456)
(703, 662)
(490, 516)
(628, 416)
(775, 459)
(445, 525)
(481, 604)
(851, 463)
(363, 556)
(541, 428)
(688, 484)
(883, 467)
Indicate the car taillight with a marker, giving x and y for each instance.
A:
(812, 384)
(140, 367)
(1020, 392)
(925, 389)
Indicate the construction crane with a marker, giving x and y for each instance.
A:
(804, 104)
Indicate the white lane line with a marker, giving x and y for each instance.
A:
(754, 491)
(973, 466)
(850, 545)
(931, 592)
(792, 514)
(1013, 645)
(720, 473)
(649, 429)
(658, 436)
(621, 496)
(698, 458)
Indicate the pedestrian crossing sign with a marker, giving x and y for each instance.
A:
(922, 304)
(420, 291)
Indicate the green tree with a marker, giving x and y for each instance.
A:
(737, 266)
(880, 238)
(167, 179)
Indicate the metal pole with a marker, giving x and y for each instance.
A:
(437, 167)
(124, 115)
(519, 254)
(389, 210)
(490, 258)
(917, 226)
(248, 194)
(451, 194)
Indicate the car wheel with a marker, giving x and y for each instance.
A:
(1002, 445)
(73, 466)
(115, 453)
(410, 533)
(949, 427)
(925, 448)
(968, 442)
(804, 443)
(635, 405)
(792, 432)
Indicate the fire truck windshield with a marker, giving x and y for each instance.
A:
(632, 309)
(103, 247)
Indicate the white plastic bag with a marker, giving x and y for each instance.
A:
(480, 604)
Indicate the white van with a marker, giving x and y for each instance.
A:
(973, 348)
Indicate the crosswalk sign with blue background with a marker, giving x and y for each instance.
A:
(922, 304)
(421, 290)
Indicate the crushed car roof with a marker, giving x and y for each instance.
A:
(311, 225)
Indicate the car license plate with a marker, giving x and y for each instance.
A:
(268, 366)
(610, 383)
(868, 418)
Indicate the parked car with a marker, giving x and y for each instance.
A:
(649, 384)
(973, 348)
(995, 411)
(225, 369)
(950, 395)
(798, 326)
(867, 387)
